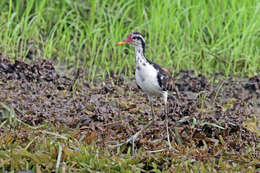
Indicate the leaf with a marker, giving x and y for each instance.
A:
(90, 137)
(212, 124)
(251, 125)
(24, 153)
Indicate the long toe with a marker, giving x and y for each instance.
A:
(133, 138)
(171, 148)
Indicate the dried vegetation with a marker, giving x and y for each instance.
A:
(51, 121)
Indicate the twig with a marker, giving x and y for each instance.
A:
(28, 145)
(156, 151)
(3, 123)
(31, 127)
(59, 158)
(55, 134)
(103, 125)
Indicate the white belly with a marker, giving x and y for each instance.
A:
(146, 78)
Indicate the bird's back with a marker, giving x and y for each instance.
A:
(164, 78)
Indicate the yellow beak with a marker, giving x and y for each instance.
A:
(121, 42)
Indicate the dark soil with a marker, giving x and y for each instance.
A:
(206, 113)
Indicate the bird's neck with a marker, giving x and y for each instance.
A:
(139, 55)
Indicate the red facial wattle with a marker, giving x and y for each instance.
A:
(128, 40)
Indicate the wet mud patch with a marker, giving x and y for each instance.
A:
(215, 116)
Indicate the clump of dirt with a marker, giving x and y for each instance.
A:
(37, 71)
(206, 113)
(253, 85)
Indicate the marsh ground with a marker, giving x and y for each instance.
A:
(45, 114)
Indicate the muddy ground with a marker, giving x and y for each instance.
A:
(208, 112)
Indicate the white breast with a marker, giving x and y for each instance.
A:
(146, 78)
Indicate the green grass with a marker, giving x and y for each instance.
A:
(203, 35)
(38, 150)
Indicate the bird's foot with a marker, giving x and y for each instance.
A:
(131, 139)
(172, 149)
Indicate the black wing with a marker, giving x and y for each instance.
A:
(164, 78)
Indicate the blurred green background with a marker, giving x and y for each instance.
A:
(203, 35)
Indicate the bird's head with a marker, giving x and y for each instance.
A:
(134, 38)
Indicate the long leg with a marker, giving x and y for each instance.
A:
(165, 97)
(152, 110)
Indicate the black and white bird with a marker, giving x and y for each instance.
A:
(153, 79)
